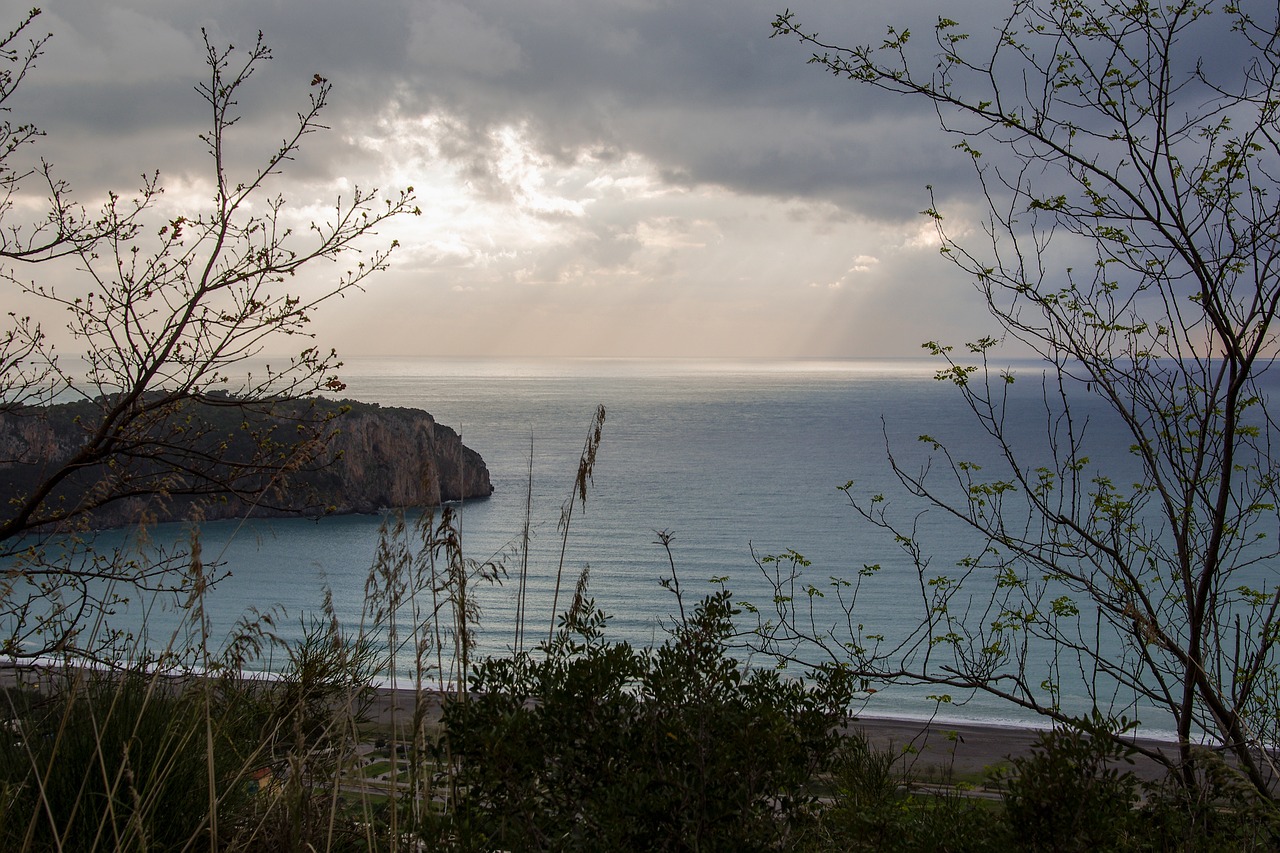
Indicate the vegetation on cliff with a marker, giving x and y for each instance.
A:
(217, 457)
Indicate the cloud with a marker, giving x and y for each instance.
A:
(662, 174)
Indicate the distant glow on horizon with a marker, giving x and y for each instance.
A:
(587, 254)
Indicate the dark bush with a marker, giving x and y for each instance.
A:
(590, 745)
(1074, 792)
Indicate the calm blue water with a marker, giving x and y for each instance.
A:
(730, 457)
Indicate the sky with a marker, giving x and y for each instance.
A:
(614, 178)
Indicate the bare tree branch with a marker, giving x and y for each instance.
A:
(1107, 142)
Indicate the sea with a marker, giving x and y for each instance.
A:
(730, 462)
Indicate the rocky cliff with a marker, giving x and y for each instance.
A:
(391, 457)
(219, 458)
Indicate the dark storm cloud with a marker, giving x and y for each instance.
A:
(698, 88)
(566, 154)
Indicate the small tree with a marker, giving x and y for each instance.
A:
(164, 310)
(589, 744)
(1108, 140)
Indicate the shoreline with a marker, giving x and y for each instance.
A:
(933, 749)
(970, 748)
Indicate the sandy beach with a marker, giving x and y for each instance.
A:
(968, 749)
(930, 749)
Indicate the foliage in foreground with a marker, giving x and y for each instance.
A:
(590, 745)
(583, 744)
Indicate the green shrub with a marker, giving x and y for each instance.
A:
(591, 745)
(872, 808)
(1217, 807)
(1071, 793)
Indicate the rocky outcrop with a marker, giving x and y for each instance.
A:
(390, 457)
(221, 458)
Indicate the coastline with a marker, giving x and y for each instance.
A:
(929, 749)
(967, 749)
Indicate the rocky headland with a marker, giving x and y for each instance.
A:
(380, 457)
(219, 458)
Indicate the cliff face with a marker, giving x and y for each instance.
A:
(218, 459)
(386, 457)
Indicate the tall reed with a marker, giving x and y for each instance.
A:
(189, 744)
(585, 475)
(161, 750)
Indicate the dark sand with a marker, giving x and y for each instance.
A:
(930, 750)
(969, 749)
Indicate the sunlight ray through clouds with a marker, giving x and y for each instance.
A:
(542, 246)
